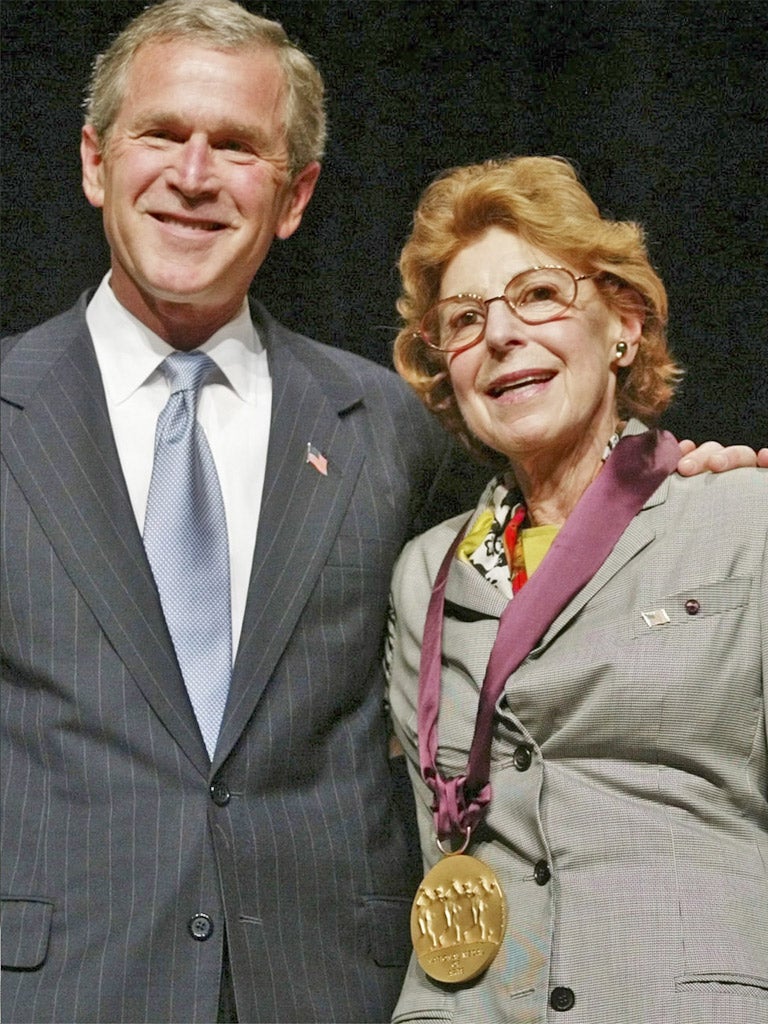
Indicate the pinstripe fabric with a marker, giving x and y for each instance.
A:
(647, 791)
(111, 840)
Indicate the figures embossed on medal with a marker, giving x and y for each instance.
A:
(458, 919)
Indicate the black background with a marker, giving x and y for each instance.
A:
(662, 106)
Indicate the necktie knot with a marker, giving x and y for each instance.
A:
(186, 371)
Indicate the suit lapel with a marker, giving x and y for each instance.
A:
(301, 514)
(77, 492)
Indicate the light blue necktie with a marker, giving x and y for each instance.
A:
(185, 537)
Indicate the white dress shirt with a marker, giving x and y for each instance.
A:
(235, 417)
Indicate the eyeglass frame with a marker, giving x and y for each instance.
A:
(486, 302)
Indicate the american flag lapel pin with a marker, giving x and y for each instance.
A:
(316, 458)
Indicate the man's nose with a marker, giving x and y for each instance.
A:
(194, 171)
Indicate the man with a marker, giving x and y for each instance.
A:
(193, 835)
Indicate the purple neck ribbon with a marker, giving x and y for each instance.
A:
(636, 468)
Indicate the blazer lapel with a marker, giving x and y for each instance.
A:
(636, 537)
(469, 597)
(77, 492)
(302, 510)
(467, 588)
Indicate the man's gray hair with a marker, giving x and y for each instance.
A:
(224, 25)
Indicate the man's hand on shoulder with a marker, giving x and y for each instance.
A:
(714, 458)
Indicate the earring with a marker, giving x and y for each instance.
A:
(621, 349)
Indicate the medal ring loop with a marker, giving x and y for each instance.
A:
(453, 853)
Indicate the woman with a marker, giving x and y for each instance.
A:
(609, 804)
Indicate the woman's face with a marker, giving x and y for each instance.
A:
(544, 390)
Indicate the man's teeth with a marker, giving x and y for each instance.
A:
(200, 225)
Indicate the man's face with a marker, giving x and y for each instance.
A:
(194, 179)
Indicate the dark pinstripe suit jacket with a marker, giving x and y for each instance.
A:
(124, 850)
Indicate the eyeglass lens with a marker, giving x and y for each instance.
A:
(536, 296)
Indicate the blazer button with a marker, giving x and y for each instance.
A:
(562, 999)
(220, 794)
(541, 872)
(692, 606)
(200, 927)
(522, 757)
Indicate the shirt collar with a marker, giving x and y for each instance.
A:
(129, 353)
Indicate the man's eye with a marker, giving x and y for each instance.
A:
(233, 146)
(161, 134)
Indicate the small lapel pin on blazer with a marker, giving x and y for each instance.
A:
(316, 458)
(658, 617)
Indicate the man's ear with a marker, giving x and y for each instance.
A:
(299, 193)
(92, 161)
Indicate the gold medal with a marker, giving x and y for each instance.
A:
(458, 919)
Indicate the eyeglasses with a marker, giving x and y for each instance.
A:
(535, 296)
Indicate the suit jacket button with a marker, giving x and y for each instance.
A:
(522, 757)
(541, 872)
(562, 999)
(220, 794)
(200, 927)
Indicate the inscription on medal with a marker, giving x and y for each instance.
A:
(458, 919)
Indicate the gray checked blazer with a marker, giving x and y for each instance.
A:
(629, 817)
(124, 851)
